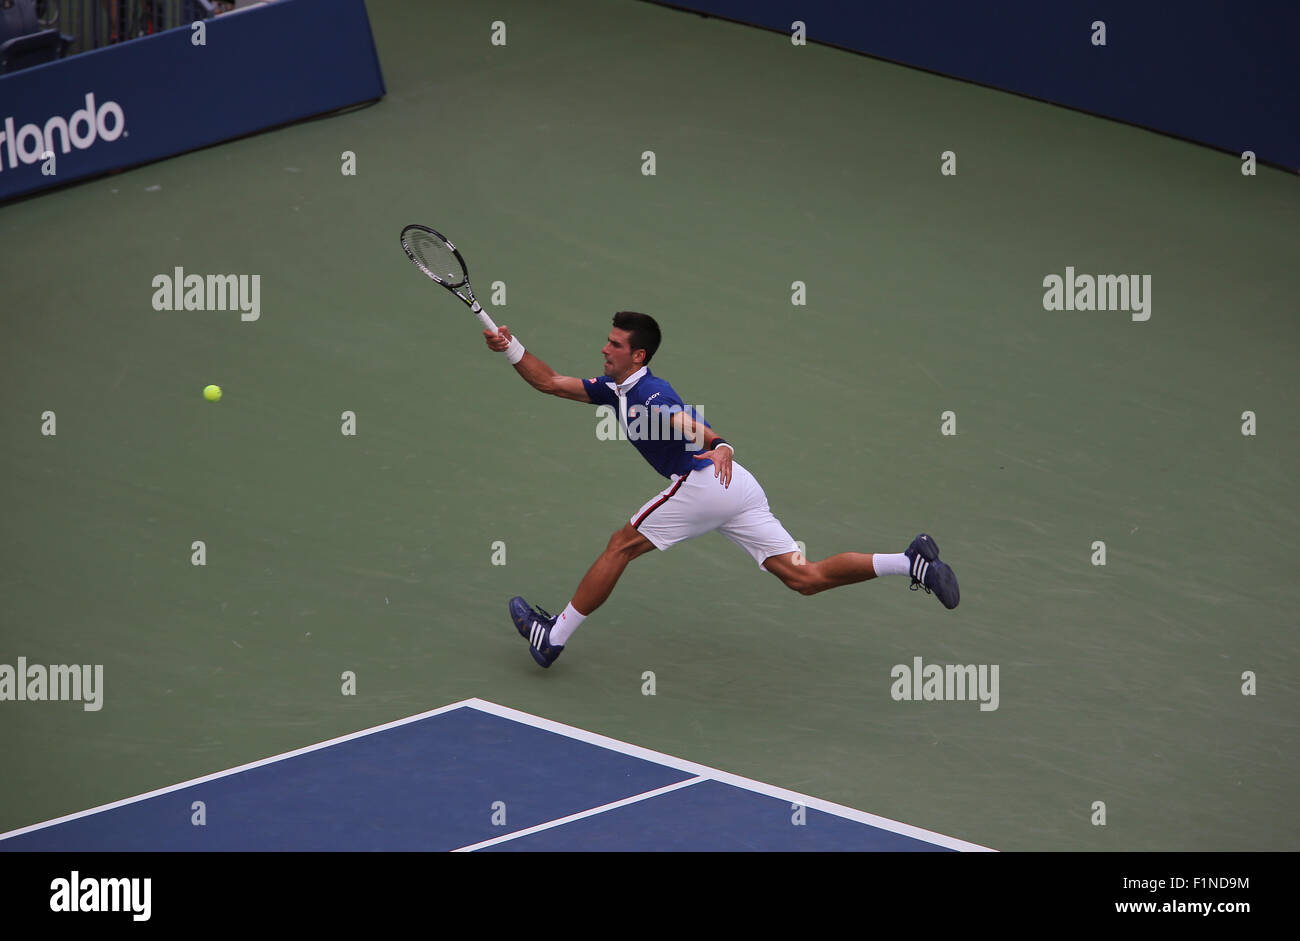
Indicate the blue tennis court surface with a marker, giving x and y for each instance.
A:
(474, 776)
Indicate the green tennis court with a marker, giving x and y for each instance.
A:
(376, 553)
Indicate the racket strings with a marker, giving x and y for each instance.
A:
(436, 257)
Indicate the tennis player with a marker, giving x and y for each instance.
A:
(708, 491)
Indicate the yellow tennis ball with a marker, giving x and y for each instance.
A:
(212, 393)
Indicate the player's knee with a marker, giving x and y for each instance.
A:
(803, 579)
(626, 542)
(809, 586)
(617, 546)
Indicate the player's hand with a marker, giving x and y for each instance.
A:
(721, 458)
(497, 342)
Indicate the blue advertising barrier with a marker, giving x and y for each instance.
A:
(1219, 72)
(163, 95)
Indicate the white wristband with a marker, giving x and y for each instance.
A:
(515, 351)
(724, 445)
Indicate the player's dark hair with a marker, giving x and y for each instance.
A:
(644, 330)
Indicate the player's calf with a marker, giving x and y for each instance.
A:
(595, 587)
(798, 574)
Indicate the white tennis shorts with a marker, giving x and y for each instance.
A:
(698, 503)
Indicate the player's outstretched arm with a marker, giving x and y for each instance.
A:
(536, 373)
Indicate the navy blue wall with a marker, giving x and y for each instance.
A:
(1219, 72)
(259, 68)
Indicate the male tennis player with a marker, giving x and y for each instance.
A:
(729, 500)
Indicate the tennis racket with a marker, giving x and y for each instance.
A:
(433, 254)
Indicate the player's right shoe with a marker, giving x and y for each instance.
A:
(928, 572)
(534, 625)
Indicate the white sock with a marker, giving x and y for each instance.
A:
(565, 625)
(895, 563)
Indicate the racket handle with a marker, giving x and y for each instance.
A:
(484, 318)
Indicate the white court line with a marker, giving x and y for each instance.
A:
(725, 777)
(252, 764)
(561, 821)
(582, 735)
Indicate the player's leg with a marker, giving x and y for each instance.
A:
(920, 561)
(547, 635)
(809, 578)
(665, 520)
(756, 530)
(595, 587)
(691, 506)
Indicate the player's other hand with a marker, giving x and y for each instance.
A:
(497, 342)
(721, 458)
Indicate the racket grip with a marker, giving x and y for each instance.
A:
(484, 318)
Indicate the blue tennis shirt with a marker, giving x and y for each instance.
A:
(644, 404)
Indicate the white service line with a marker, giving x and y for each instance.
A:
(586, 813)
(725, 777)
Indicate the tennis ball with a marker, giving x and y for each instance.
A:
(212, 393)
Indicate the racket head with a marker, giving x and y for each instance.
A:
(433, 253)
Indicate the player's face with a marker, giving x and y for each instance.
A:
(619, 360)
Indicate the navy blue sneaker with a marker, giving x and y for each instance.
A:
(534, 625)
(931, 574)
(522, 614)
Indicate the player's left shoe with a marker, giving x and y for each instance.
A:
(928, 572)
(534, 625)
